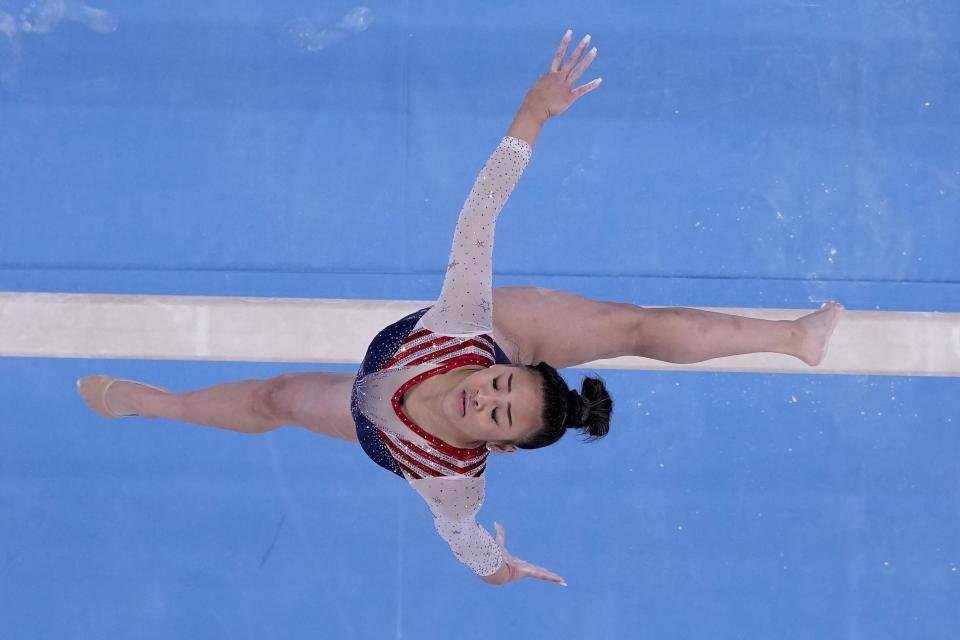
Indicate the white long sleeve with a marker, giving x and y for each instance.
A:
(465, 306)
(455, 501)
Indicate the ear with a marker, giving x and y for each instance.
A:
(493, 447)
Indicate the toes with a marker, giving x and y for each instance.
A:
(92, 390)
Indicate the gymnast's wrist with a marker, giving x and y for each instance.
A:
(535, 110)
(499, 577)
(527, 125)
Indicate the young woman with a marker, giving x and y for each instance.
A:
(443, 387)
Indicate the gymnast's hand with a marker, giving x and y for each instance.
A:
(514, 568)
(554, 92)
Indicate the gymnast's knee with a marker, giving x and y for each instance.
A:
(270, 401)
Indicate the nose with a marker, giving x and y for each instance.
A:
(481, 398)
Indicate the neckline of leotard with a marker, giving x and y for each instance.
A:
(438, 443)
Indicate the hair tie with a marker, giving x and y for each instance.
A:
(584, 410)
(577, 410)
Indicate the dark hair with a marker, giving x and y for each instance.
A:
(589, 411)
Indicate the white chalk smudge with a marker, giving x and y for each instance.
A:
(8, 26)
(41, 16)
(357, 20)
(312, 35)
(11, 58)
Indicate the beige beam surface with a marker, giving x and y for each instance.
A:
(298, 330)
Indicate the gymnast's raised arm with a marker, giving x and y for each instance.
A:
(554, 93)
(465, 305)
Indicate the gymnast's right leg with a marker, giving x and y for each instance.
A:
(319, 401)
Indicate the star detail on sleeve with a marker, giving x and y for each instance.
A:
(480, 243)
(452, 264)
(485, 305)
(445, 308)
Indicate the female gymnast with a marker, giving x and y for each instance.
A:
(441, 388)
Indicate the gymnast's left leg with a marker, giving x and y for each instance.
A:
(565, 330)
(318, 401)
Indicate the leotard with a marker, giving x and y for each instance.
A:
(454, 332)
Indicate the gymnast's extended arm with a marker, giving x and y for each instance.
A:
(465, 305)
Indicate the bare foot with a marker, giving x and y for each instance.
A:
(113, 398)
(817, 328)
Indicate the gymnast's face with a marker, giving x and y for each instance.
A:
(500, 405)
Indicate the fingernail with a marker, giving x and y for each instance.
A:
(593, 51)
(563, 584)
(586, 38)
(568, 33)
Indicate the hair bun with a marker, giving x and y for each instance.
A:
(597, 407)
(587, 411)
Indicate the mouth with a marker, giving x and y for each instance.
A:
(463, 404)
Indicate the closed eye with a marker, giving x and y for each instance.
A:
(493, 414)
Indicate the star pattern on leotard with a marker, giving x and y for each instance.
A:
(481, 243)
(452, 264)
(485, 305)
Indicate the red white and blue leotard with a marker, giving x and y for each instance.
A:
(454, 332)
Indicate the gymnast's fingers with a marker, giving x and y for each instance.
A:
(500, 536)
(540, 573)
(561, 51)
(587, 88)
(572, 60)
(580, 68)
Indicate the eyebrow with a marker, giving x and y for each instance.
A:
(509, 413)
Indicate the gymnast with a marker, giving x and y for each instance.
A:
(476, 372)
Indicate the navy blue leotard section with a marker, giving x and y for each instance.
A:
(383, 347)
